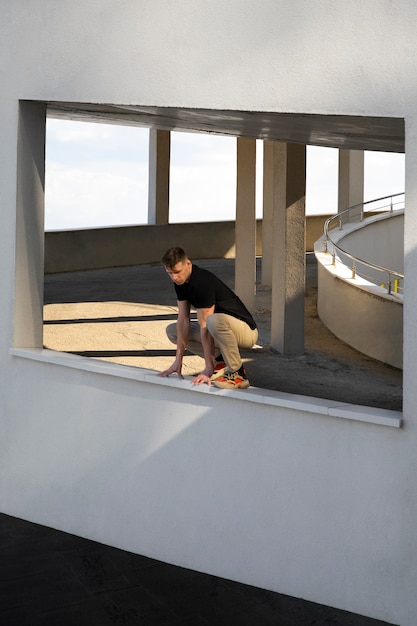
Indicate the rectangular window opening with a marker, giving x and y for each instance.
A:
(82, 309)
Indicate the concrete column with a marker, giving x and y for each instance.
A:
(410, 275)
(268, 213)
(28, 318)
(405, 489)
(351, 179)
(288, 268)
(245, 264)
(159, 163)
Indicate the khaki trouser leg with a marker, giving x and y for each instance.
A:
(230, 336)
(194, 339)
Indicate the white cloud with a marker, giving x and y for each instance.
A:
(66, 131)
(202, 177)
(97, 175)
(73, 142)
(202, 194)
(321, 184)
(384, 174)
(89, 197)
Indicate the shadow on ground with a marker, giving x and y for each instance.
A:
(51, 578)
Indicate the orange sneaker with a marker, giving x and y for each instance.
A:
(232, 380)
(219, 369)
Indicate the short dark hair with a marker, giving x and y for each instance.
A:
(173, 256)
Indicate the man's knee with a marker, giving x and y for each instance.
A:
(171, 331)
(217, 323)
(212, 323)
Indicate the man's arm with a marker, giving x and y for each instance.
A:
(183, 331)
(207, 342)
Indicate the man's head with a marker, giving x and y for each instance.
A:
(177, 265)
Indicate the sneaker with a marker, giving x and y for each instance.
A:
(232, 380)
(219, 369)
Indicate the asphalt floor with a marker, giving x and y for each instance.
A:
(51, 578)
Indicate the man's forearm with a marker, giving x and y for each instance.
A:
(208, 348)
(183, 331)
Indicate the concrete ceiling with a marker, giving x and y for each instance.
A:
(384, 134)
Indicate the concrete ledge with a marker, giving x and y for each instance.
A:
(306, 404)
(338, 269)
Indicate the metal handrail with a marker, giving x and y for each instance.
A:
(393, 281)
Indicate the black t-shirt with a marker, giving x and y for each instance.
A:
(204, 290)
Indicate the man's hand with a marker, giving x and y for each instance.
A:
(175, 368)
(204, 377)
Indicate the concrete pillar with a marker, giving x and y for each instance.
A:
(351, 179)
(28, 318)
(288, 268)
(268, 213)
(159, 163)
(245, 264)
(406, 486)
(410, 275)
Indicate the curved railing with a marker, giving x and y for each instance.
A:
(384, 277)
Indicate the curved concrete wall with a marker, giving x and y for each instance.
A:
(369, 323)
(362, 316)
(378, 240)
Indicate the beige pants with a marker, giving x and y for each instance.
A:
(230, 336)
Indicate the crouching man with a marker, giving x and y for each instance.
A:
(224, 326)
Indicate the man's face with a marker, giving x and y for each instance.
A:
(180, 273)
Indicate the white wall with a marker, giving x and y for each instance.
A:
(277, 497)
(379, 241)
(305, 56)
(313, 506)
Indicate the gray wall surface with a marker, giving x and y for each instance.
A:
(293, 494)
(72, 250)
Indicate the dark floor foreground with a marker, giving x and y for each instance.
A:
(50, 578)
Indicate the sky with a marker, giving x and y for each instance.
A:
(97, 176)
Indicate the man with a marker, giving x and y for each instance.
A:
(224, 323)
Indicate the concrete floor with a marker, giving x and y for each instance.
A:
(51, 578)
(120, 315)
